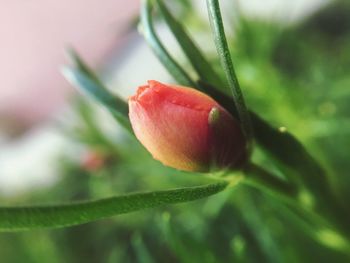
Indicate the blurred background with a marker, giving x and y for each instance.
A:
(293, 62)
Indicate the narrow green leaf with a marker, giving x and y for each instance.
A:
(26, 218)
(203, 68)
(163, 55)
(226, 61)
(81, 76)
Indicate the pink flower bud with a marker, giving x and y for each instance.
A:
(185, 129)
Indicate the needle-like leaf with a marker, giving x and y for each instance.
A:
(81, 76)
(31, 217)
(226, 61)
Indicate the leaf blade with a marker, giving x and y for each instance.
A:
(218, 30)
(26, 218)
(82, 77)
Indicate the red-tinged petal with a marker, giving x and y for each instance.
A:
(172, 123)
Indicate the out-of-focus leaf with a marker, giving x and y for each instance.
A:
(26, 218)
(152, 39)
(81, 76)
(142, 252)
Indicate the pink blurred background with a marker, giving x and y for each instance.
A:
(34, 35)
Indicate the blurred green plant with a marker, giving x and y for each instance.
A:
(249, 226)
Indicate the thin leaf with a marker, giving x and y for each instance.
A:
(81, 76)
(226, 61)
(26, 218)
(203, 68)
(163, 55)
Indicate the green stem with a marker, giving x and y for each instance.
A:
(226, 61)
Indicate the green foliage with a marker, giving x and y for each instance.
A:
(294, 79)
(285, 148)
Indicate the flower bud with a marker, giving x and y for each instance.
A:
(185, 129)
